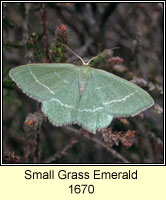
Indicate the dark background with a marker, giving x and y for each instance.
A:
(89, 28)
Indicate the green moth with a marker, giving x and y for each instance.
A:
(80, 95)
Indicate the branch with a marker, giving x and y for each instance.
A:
(62, 152)
(110, 150)
(45, 35)
(71, 23)
(107, 12)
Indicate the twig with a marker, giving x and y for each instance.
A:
(37, 150)
(110, 150)
(106, 14)
(69, 22)
(32, 129)
(62, 152)
(25, 24)
(82, 51)
(45, 35)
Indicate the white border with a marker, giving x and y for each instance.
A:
(81, 164)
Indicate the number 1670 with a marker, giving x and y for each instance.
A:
(81, 189)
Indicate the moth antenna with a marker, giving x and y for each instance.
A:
(99, 55)
(91, 60)
(76, 55)
(115, 48)
(84, 63)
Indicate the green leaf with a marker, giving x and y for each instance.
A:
(80, 94)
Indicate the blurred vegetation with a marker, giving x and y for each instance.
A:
(34, 32)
